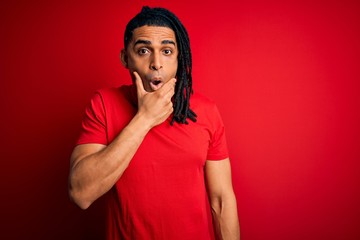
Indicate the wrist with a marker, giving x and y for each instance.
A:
(142, 122)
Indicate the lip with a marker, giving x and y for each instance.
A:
(156, 83)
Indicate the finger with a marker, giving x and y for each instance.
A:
(172, 81)
(169, 95)
(139, 84)
(169, 86)
(170, 108)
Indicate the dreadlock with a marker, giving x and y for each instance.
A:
(183, 90)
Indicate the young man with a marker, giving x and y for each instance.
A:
(158, 156)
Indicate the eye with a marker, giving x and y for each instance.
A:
(143, 51)
(167, 51)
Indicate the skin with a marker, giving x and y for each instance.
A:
(153, 54)
(151, 57)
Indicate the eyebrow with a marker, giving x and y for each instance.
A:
(147, 42)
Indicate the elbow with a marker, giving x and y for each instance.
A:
(79, 199)
(219, 203)
(216, 206)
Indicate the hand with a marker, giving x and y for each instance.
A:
(155, 106)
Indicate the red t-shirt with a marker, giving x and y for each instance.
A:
(162, 193)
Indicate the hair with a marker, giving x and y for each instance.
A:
(183, 90)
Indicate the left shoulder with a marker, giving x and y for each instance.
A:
(204, 107)
(198, 100)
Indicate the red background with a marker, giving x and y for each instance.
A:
(285, 77)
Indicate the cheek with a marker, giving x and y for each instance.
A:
(136, 61)
(138, 66)
(174, 67)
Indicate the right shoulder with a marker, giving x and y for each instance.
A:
(111, 95)
(113, 91)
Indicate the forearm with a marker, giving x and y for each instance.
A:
(93, 175)
(225, 218)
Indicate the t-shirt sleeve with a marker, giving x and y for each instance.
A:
(93, 126)
(218, 147)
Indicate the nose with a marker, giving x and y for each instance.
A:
(155, 63)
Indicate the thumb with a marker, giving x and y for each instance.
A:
(139, 84)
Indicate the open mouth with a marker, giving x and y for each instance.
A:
(155, 84)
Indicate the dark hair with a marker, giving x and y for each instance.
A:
(183, 89)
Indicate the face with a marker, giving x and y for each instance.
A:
(152, 53)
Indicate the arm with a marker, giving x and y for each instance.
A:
(222, 199)
(95, 168)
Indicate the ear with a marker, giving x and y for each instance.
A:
(124, 58)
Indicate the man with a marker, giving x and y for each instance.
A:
(157, 156)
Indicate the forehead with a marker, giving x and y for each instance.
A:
(154, 33)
